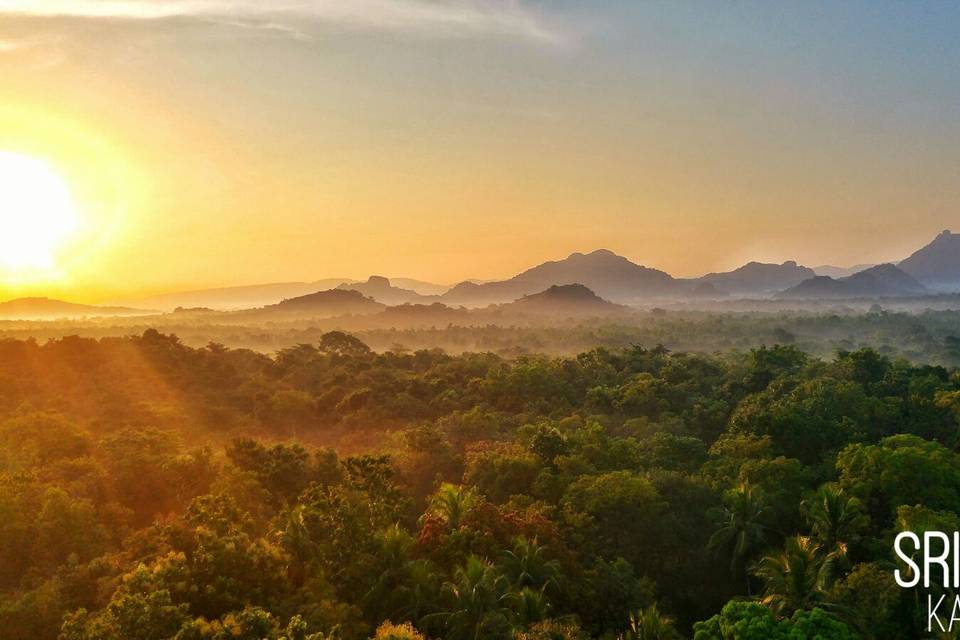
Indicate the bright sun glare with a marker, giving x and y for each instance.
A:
(37, 214)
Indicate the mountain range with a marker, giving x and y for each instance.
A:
(240, 297)
(758, 278)
(258, 295)
(49, 309)
(933, 268)
(881, 281)
(606, 276)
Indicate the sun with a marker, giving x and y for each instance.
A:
(37, 214)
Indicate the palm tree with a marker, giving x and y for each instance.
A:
(797, 577)
(422, 592)
(394, 545)
(528, 606)
(835, 518)
(527, 565)
(295, 539)
(452, 503)
(650, 624)
(405, 587)
(477, 602)
(741, 531)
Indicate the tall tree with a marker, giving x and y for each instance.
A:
(741, 531)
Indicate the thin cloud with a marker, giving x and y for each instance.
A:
(264, 27)
(8, 46)
(12, 45)
(459, 18)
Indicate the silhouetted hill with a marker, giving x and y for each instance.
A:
(47, 308)
(706, 290)
(937, 265)
(421, 287)
(604, 272)
(758, 278)
(381, 290)
(195, 310)
(567, 299)
(881, 281)
(241, 297)
(334, 302)
(840, 272)
(435, 314)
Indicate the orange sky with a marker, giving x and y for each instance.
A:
(451, 140)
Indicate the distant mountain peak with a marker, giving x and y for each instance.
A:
(937, 264)
(759, 278)
(568, 292)
(565, 299)
(840, 272)
(609, 275)
(330, 294)
(331, 302)
(598, 255)
(382, 290)
(885, 268)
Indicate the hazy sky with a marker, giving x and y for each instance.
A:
(219, 142)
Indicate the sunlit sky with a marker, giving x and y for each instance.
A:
(217, 142)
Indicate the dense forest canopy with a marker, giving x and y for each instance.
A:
(151, 490)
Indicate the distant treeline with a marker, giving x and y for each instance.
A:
(923, 337)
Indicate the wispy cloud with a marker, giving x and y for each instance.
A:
(10, 45)
(265, 27)
(462, 18)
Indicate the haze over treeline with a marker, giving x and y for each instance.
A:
(560, 307)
